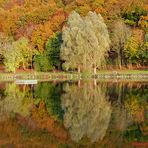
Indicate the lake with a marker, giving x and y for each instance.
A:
(74, 114)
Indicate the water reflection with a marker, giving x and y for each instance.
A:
(15, 100)
(87, 111)
(129, 121)
(50, 94)
(74, 114)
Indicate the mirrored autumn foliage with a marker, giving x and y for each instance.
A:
(73, 113)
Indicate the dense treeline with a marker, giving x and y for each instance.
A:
(82, 35)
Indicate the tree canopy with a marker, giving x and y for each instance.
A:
(85, 27)
(85, 42)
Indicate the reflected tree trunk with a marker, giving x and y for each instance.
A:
(79, 69)
(95, 69)
(95, 82)
(119, 93)
(79, 83)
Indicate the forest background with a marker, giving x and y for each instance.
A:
(31, 33)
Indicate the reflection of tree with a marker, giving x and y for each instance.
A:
(87, 111)
(135, 108)
(43, 121)
(15, 100)
(128, 122)
(130, 102)
(136, 101)
(50, 94)
(136, 105)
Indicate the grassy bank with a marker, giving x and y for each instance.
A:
(45, 76)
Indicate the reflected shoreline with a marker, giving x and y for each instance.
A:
(42, 76)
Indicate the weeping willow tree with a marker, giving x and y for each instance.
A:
(87, 111)
(85, 42)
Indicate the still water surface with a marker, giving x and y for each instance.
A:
(74, 114)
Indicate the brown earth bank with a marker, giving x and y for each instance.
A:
(110, 68)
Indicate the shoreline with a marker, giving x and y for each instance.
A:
(47, 76)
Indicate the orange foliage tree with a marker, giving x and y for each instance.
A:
(44, 31)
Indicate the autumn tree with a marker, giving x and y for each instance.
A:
(120, 35)
(50, 59)
(39, 20)
(132, 18)
(5, 42)
(119, 7)
(23, 45)
(19, 53)
(143, 54)
(46, 30)
(85, 42)
(136, 48)
(131, 49)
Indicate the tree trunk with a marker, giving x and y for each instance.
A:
(95, 70)
(95, 82)
(119, 93)
(79, 83)
(79, 70)
(119, 58)
(24, 66)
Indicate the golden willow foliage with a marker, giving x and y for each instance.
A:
(85, 42)
(87, 111)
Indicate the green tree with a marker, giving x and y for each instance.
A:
(50, 59)
(143, 54)
(135, 52)
(12, 58)
(41, 63)
(17, 54)
(53, 50)
(23, 45)
(85, 42)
